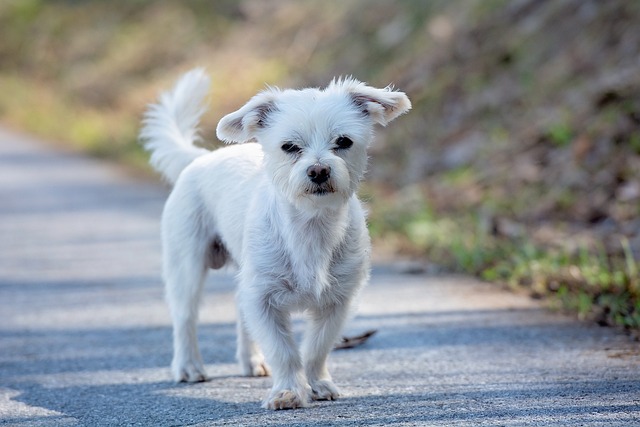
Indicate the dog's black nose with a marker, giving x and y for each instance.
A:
(318, 173)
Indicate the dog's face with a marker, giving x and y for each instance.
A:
(315, 141)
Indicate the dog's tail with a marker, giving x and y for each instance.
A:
(170, 127)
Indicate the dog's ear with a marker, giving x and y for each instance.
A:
(242, 125)
(382, 105)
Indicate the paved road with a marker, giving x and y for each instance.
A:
(85, 335)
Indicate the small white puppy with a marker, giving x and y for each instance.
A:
(282, 208)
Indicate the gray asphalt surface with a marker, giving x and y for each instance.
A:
(85, 337)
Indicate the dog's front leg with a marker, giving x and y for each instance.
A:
(270, 325)
(324, 327)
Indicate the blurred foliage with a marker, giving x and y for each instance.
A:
(520, 161)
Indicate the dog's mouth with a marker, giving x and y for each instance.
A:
(321, 190)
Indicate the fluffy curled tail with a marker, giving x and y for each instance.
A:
(170, 127)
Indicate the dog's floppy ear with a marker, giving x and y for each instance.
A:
(382, 105)
(242, 125)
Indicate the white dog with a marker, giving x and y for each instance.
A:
(282, 208)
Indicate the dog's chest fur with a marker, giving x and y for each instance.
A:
(310, 249)
(312, 244)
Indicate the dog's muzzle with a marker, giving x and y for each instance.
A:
(319, 175)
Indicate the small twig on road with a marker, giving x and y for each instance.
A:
(351, 342)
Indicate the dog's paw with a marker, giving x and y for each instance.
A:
(188, 372)
(256, 367)
(285, 399)
(324, 390)
(260, 370)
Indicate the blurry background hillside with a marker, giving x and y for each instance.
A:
(520, 161)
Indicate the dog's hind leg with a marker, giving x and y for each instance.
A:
(183, 292)
(249, 354)
(185, 264)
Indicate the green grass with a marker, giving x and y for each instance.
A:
(589, 282)
(560, 134)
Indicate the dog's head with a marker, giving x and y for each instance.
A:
(315, 141)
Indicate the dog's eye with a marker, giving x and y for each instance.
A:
(343, 143)
(290, 148)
